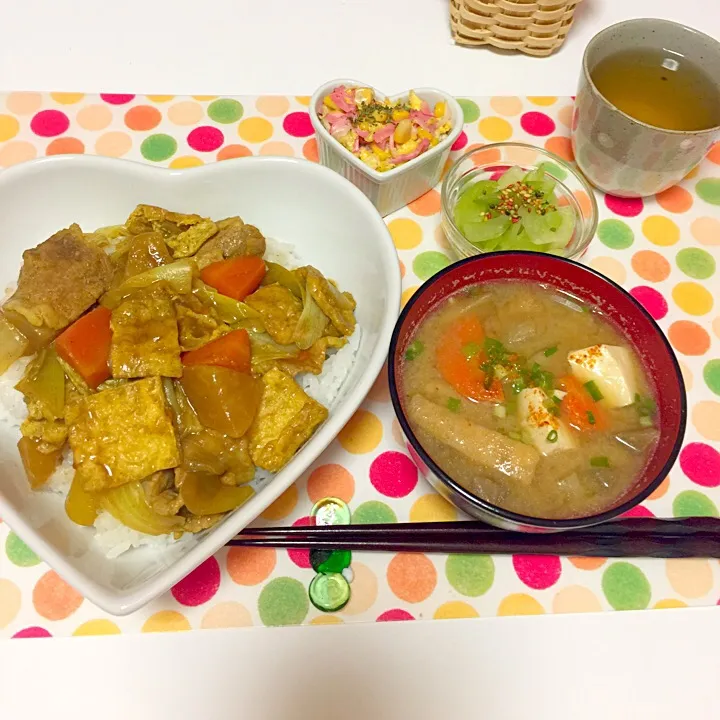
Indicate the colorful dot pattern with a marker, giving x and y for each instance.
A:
(664, 250)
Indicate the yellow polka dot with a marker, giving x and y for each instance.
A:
(186, 161)
(204, 97)
(226, 615)
(542, 100)
(9, 127)
(67, 98)
(690, 577)
(693, 298)
(669, 603)
(255, 129)
(495, 129)
(10, 600)
(506, 104)
(611, 268)
(327, 620)
(520, 604)
(283, 506)
(160, 98)
(166, 621)
(575, 598)
(432, 508)
(406, 233)
(23, 103)
(706, 419)
(407, 294)
(101, 626)
(660, 230)
(455, 609)
(16, 152)
(303, 99)
(272, 105)
(362, 433)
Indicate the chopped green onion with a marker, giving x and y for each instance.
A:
(558, 395)
(517, 385)
(414, 350)
(593, 390)
(499, 411)
(645, 405)
(646, 421)
(600, 461)
(494, 348)
(453, 404)
(552, 436)
(551, 351)
(557, 400)
(591, 417)
(515, 435)
(470, 350)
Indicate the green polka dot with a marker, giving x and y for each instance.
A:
(373, 512)
(626, 587)
(471, 111)
(470, 575)
(615, 234)
(555, 170)
(19, 553)
(426, 264)
(225, 110)
(691, 503)
(711, 373)
(696, 263)
(158, 147)
(283, 601)
(709, 190)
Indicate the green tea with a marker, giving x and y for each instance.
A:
(659, 88)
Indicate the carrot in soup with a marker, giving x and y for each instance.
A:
(578, 406)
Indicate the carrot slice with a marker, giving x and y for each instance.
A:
(461, 368)
(230, 351)
(579, 408)
(85, 346)
(237, 277)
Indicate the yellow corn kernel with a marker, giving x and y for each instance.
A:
(399, 115)
(381, 154)
(329, 103)
(439, 109)
(414, 101)
(403, 131)
(363, 95)
(422, 133)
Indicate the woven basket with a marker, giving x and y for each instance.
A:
(535, 27)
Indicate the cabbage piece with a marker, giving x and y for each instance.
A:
(12, 344)
(312, 323)
(265, 351)
(128, 504)
(282, 276)
(44, 383)
(234, 313)
(204, 494)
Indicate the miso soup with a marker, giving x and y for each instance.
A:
(529, 399)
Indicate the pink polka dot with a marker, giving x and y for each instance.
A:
(115, 99)
(701, 463)
(394, 615)
(393, 474)
(537, 123)
(205, 138)
(301, 556)
(537, 571)
(639, 511)
(651, 300)
(298, 124)
(461, 142)
(48, 123)
(627, 207)
(32, 632)
(200, 585)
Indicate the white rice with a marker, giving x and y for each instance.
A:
(111, 536)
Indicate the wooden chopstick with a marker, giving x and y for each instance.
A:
(632, 537)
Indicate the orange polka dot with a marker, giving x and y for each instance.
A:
(687, 375)
(362, 433)
(441, 238)
(397, 433)
(485, 156)
(277, 148)
(65, 146)
(402, 268)
(506, 104)
(226, 615)
(650, 266)
(233, 151)
(185, 113)
(587, 563)
(561, 146)
(660, 490)
(714, 154)
(689, 338)
(675, 199)
(53, 598)
(412, 576)
(692, 173)
(283, 506)
(364, 590)
(427, 204)
(16, 152)
(310, 150)
(380, 391)
(23, 103)
(330, 480)
(166, 621)
(113, 144)
(565, 115)
(272, 105)
(523, 156)
(142, 117)
(250, 565)
(706, 230)
(584, 202)
(94, 117)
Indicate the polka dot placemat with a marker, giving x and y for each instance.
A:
(664, 250)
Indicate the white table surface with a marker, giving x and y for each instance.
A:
(631, 665)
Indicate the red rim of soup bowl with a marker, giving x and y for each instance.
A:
(587, 285)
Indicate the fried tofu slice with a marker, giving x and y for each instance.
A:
(280, 311)
(60, 279)
(234, 238)
(123, 435)
(286, 419)
(145, 336)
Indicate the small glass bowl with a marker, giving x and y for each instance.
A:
(484, 163)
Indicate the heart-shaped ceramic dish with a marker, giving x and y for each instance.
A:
(391, 190)
(328, 222)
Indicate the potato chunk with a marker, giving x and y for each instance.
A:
(123, 435)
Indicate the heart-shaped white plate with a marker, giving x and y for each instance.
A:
(329, 223)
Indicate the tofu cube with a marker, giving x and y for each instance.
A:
(547, 432)
(611, 368)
